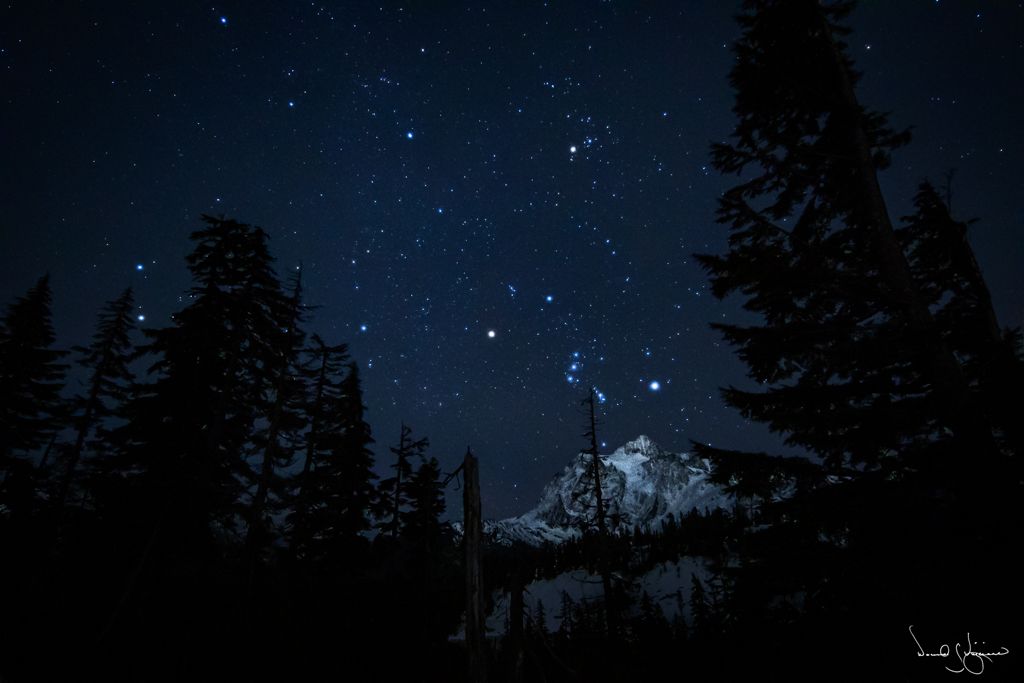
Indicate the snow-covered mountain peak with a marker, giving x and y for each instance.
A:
(641, 445)
(641, 485)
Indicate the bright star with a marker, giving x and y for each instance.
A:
(141, 317)
(549, 298)
(491, 333)
(139, 266)
(572, 149)
(655, 385)
(291, 103)
(362, 328)
(408, 134)
(224, 21)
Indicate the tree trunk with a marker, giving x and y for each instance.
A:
(476, 643)
(516, 652)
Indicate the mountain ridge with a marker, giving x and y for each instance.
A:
(642, 485)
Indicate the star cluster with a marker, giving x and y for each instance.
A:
(495, 205)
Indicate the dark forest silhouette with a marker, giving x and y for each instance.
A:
(219, 515)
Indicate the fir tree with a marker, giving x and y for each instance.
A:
(540, 620)
(394, 494)
(848, 345)
(421, 523)
(701, 608)
(325, 366)
(337, 490)
(949, 277)
(31, 378)
(107, 360)
(278, 441)
(679, 629)
(183, 451)
(565, 617)
(868, 349)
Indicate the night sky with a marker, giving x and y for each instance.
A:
(495, 205)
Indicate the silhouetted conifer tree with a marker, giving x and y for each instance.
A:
(394, 490)
(279, 438)
(540, 620)
(421, 523)
(31, 378)
(107, 360)
(337, 484)
(853, 362)
(949, 277)
(183, 451)
(701, 608)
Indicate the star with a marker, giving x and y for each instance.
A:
(572, 149)
(409, 135)
(141, 317)
(549, 298)
(139, 267)
(491, 334)
(655, 385)
(362, 328)
(223, 21)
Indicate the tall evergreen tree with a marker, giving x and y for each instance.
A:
(853, 362)
(31, 378)
(30, 375)
(421, 523)
(949, 277)
(183, 451)
(279, 437)
(859, 352)
(107, 361)
(325, 366)
(337, 491)
(394, 490)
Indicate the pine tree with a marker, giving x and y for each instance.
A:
(565, 617)
(183, 452)
(355, 460)
(868, 349)
(540, 620)
(394, 493)
(679, 629)
(107, 360)
(337, 491)
(701, 608)
(949, 277)
(324, 366)
(848, 346)
(30, 375)
(421, 523)
(31, 378)
(278, 441)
